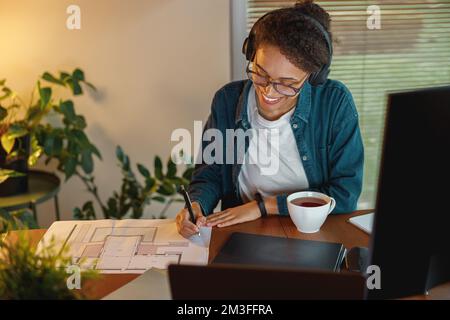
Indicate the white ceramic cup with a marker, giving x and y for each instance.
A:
(310, 219)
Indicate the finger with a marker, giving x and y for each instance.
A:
(189, 225)
(189, 230)
(201, 221)
(229, 222)
(222, 219)
(217, 218)
(218, 214)
(184, 226)
(187, 233)
(179, 220)
(179, 216)
(182, 216)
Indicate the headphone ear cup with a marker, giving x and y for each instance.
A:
(248, 48)
(320, 77)
(244, 47)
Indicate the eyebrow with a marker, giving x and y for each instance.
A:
(281, 78)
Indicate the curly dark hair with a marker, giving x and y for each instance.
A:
(297, 38)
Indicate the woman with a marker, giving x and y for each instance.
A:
(319, 146)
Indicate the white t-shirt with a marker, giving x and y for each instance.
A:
(254, 177)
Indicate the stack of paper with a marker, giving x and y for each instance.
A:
(127, 246)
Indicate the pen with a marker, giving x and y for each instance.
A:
(188, 204)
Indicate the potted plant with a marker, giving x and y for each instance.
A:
(26, 273)
(14, 154)
(25, 133)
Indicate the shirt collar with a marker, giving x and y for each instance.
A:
(303, 104)
(241, 109)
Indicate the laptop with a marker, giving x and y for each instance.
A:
(220, 282)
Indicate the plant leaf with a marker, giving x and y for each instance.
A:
(79, 122)
(32, 113)
(50, 78)
(45, 95)
(7, 143)
(68, 110)
(112, 206)
(48, 144)
(16, 130)
(81, 138)
(119, 153)
(36, 151)
(158, 168)
(63, 76)
(171, 168)
(159, 199)
(34, 156)
(6, 173)
(187, 174)
(77, 214)
(77, 90)
(166, 189)
(150, 183)
(87, 162)
(8, 92)
(95, 151)
(57, 145)
(74, 86)
(69, 167)
(143, 170)
(3, 113)
(78, 75)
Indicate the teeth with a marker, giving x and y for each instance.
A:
(270, 99)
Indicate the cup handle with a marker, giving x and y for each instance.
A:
(332, 205)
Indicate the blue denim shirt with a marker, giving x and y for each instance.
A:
(326, 129)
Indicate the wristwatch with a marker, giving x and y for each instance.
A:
(260, 201)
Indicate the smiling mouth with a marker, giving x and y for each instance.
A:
(269, 100)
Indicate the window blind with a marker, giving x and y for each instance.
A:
(410, 50)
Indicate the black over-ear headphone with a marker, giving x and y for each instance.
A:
(316, 78)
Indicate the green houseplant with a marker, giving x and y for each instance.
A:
(69, 145)
(26, 134)
(28, 274)
(135, 194)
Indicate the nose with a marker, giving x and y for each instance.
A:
(270, 91)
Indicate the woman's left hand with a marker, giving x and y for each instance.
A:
(246, 212)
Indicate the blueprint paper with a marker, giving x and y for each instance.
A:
(127, 246)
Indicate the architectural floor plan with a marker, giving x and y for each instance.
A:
(127, 246)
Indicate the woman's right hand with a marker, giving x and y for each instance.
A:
(184, 224)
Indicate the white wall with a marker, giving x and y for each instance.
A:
(157, 64)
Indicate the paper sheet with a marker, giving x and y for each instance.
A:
(128, 246)
(364, 222)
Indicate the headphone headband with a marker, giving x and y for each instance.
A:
(316, 78)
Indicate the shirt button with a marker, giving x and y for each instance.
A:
(305, 158)
(295, 126)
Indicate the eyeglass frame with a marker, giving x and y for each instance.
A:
(273, 83)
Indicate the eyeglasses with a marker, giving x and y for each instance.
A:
(264, 81)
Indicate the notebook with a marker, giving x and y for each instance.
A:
(268, 251)
(363, 222)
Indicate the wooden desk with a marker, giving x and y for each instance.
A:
(335, 229)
